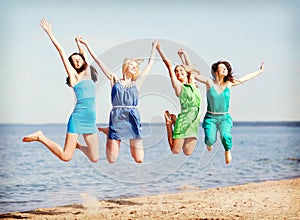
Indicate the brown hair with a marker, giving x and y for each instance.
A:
(214, 69)
(189, 70)
(82, 68)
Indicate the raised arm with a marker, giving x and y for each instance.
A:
(177, 85)
(249, 75)
(69, 69)
(107, 72)
(185, 59)
(80, 48)
(147, 69)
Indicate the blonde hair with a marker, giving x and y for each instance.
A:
(126, 63)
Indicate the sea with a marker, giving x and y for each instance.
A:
(31, 177)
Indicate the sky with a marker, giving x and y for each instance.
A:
(245, 33)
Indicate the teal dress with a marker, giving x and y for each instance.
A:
(187, 122)
(217, 118)
(83, 117)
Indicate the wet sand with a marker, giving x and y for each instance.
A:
(264, 200)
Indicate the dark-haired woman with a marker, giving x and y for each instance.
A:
(217, 116)
(83, 118)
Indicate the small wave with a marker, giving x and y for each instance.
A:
(189, 188)
(20, 202)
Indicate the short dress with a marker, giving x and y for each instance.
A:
(124, 120)
(187, 122)
(83, 117)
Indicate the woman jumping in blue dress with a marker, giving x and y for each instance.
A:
(124, 121)
(83, 118)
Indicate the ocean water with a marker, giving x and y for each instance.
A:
(31, 177)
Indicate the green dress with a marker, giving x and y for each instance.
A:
(187, 122)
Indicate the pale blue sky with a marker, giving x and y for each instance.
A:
(32, 85)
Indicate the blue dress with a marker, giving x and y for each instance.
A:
(83, 117)
(124, 120)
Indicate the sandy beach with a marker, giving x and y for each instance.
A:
(264, 200)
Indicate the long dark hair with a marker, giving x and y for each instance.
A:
(82, 68)
(214, 69)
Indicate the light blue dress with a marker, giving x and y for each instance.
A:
(83, 117)
(124, 121)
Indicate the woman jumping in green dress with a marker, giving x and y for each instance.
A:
(185, 133)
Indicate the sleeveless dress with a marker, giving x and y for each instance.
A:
(124, 120)
(187, 122)
(83, 117)
(217, 118)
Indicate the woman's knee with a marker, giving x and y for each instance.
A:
(177, 145)
(137, 153)
(94, 159)
(139, 159)
(66, 157)
(175, 150)
(187, 152)
(111, 158)
(189, 146)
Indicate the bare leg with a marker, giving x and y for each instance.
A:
(137, 150)
(175, 144)
(209, 148)
(169, 124)
(189, 145)
(65, 154)
(170, 121)
(228, 156)
(112, 146)
(112, 150)
(92, 148)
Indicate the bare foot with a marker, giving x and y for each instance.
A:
(173, 117)
(228, 156)
(104, 130)
(170, 118)
(209, 148)
(78, 145)
(33, 137)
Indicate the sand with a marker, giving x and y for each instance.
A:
(264, 200)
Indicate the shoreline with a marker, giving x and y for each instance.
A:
(279, 199)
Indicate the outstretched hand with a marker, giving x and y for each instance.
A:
(47, 26)
(181, 51)
(78, 37)
(81, 40)
(155, 43)
(262, 67)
